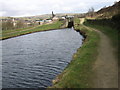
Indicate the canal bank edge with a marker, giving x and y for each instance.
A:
(79, 72)
(41, 28)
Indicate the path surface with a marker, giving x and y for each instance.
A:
(106, 65)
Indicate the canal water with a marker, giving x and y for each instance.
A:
(34, 60)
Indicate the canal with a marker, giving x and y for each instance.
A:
(34, 60)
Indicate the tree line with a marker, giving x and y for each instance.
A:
(10, 25)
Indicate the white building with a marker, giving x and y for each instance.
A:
(55, 18)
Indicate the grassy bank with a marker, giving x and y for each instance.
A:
(77, 74)
(18, 32)
(112, 33)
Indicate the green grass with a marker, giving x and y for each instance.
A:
(8, 31)
(112, 33)
(79, 72)
(18, 32)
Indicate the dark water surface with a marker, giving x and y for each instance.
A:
(34, 60)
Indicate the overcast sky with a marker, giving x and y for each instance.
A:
(37, 7)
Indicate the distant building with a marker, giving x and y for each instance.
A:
(48, 20)
(38, 21)
(28, 23)
(63, 17)
(14, 22)
(55, 18)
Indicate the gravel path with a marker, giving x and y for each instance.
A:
(105, 67)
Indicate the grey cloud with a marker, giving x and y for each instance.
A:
(37, 7)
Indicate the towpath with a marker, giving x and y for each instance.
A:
(105, 67)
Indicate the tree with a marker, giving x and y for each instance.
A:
(7, 25)
(91, 12)
(20, 24)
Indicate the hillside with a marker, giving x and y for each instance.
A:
(108, 12)
(46, 16)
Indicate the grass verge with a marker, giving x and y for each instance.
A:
(110, 32)
(14, 33)
(77, 74)
(113, 34)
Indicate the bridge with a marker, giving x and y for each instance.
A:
(69, 21)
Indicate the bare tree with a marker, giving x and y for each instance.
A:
(91, 12)
(20, 24)
(8, 25)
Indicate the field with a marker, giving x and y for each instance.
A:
(13, 33)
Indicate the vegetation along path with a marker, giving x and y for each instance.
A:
(105, 67)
